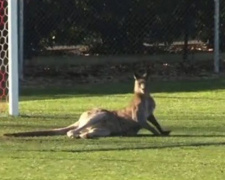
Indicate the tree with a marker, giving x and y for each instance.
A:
(116, 26)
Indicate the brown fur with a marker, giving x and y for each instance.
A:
(101, 122)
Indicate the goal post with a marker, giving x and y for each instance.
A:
(13, 57)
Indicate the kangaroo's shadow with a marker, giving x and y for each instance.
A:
(150, 146)
(178, 135)
(141, 146)
(147, 147)
(176, 145)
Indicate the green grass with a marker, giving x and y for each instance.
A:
(193, 110)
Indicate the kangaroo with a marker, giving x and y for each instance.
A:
(101, 122)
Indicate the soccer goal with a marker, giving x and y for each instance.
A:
(9, 57)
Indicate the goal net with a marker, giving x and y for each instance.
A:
(4, 70)
(9, 57)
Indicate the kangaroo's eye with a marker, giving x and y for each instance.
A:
(141, 83)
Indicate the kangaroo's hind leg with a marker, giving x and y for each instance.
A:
(95, 132)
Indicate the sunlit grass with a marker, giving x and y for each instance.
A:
(194, 111)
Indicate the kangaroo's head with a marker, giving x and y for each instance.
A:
(140, 84)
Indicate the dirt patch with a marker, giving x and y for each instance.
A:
(99, 73)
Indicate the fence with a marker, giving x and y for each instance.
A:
(138, 27)
(106, 27)
(181, 30)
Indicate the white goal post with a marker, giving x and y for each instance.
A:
(13, 57)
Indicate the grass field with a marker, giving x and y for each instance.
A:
(193, 110)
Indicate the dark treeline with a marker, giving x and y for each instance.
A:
(118, 26)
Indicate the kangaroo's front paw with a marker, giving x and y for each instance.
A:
(166, 133)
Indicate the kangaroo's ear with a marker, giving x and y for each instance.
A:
(136, 76)
(145, 75)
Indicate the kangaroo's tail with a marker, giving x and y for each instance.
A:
(51, 132)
